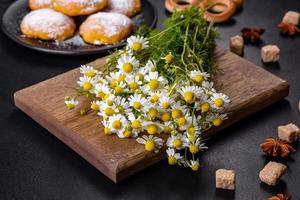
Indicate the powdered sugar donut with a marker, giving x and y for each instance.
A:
(126, 7)
(47, 24)
(78, 7)
(38, 4)
(106, 28)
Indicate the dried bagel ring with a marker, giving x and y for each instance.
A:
(221, 16)
(172, 5)
(218, 8)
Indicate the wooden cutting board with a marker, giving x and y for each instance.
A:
(249, 87)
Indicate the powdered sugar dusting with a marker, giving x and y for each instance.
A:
(41, 3)
(87, 5)
(47, 20)
(112, 23)
(121, 6)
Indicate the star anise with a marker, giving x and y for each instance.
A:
(276, 147)
(252, 35)
(288, 29)
(280, 197)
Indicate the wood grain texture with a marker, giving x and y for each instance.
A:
(249, 87)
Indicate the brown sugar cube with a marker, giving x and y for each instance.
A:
(291, 17)
(289, 133)
(270, 53)
(237, 44)
(272, 172)
(225, 179)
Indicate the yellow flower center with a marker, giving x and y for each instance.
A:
(87, 86)
(109, 102)
(181, 121)
(136, 124)
(127, 133)
(165, 105)
(217, 122)
(167, 129)
(109, 111)
(107, 131)
(117, 124)
(113, 83)
(136, 46)
(205, 107)
(118, 89)
(165, 116)
(106, 96)
(177, 143)
(152, 129)
(189, 97)
(121, 78)
(133, 86)
(154, 69)
(169, 58)
(127, 67)
(140, 76)
(176, 113)
(192, 138)
(153, 84)
(149, 145)
(152, 112)
(191, 130)
(172, 160)
(100, 94)
(70, 106)
(95, 107)
(90, 74)
(154, 98)
(137, 105)
(121, 109)
(219, 102)
(198, 78)
(195, 167)
(193, 149)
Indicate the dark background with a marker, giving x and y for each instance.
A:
(36, 165)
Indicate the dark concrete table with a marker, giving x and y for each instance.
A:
(36, 165)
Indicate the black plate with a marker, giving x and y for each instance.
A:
(74, 46)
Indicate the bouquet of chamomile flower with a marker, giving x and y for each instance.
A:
(159, 84)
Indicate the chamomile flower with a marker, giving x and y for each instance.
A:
(133, 82)
(88, 71)
(117, 124)
(152, 143)
(166, 101)
(152, 127)
(194, 165)
(122, 106)
(154, 81)
(168, 58)
(127, 64)
(113, 78)
(185, 121)
(137, 101)
(168, 127)
(70, 103)
(190, 93)
(136, 122)
(141, 72)
(95, 106)
(219, 100)
(120, 88)
(101, 90)
(106, 110)
(195, 146)
(199, 76)
(106, 129)
(150, 66)
(216, 119)
(137, 43)
(176, 141)
(208, 85)
(87, 83)
(178, 110)
(125, 52)
(173, 157)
